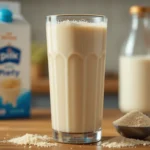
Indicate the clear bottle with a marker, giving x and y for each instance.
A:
(134, 64)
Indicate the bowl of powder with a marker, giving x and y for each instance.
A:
(134, 124)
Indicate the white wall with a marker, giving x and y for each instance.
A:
(115, 10)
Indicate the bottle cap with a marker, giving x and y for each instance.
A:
(5, 15)
(139, 9)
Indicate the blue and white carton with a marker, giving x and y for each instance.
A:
(15, 91)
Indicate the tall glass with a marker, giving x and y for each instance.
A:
(76, 56)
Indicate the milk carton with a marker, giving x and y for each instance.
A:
(15, 93)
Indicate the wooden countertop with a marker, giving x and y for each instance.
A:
(40, 123)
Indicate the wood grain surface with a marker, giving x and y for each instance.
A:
(40, 123)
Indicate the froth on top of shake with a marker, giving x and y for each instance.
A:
(79, 23)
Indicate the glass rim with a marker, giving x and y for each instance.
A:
(76, 15)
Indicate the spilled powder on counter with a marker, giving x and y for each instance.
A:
(120, 142)
(133, 119)
(32, 139)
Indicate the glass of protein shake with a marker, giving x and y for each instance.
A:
(76, 57)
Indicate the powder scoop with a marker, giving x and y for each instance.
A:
(133, 132)
(133, 125)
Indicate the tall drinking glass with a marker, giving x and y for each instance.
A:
(76, 58)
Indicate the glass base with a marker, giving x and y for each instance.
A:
(77, 138)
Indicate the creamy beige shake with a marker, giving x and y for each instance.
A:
(76, 54)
